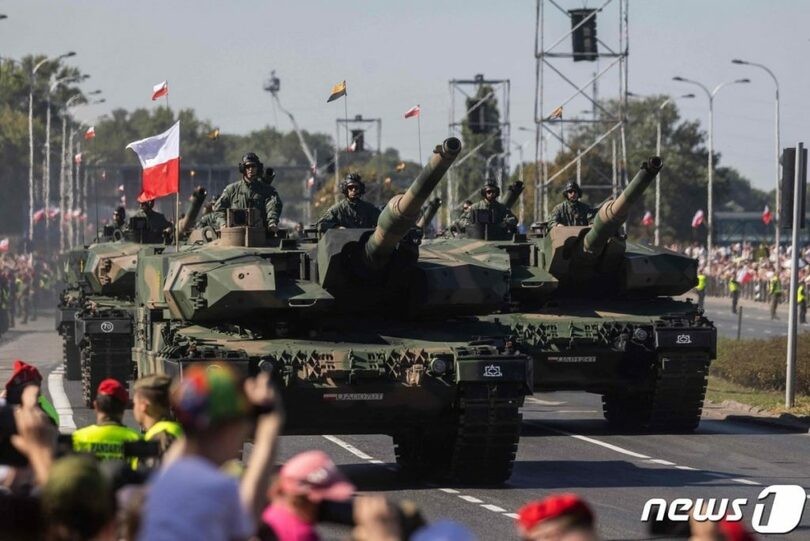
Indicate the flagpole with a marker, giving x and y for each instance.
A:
(167, 96)
(177, 219)
(419, 132)
(346, 116)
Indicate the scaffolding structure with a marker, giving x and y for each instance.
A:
(554, 69)
(353, 124)
(501, 89)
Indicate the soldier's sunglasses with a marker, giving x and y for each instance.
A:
(489, 191)
(570, 191)
(350, 188)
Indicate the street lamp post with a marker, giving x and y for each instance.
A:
(658, 153)
(778, 148)
(31, 140)
(710, 94)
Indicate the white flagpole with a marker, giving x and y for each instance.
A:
(419, 131)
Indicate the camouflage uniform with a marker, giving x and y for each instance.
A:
(155, 221)
(356, 214)
(500, 214)
(571, 213)
(257, 194)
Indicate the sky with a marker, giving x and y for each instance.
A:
(217, 55)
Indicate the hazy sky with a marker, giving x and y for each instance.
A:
(217, 54)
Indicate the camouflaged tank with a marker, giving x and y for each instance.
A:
(103, 320)
(596, 313)
(73, 288)
(363, 331)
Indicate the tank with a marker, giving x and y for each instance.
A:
(72, 289)
(512, 194)
(363, 333)
(103, 321)
(598, 313)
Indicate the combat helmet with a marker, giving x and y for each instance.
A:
(251, 157)
(352, 179)
(572, 185)
(490, 185)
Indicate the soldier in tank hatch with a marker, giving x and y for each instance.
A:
(501, 216)
(251, 192)
(572, 211)
(351, 212)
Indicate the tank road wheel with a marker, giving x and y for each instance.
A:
(675, 402)
(71, 357)
(488, 431)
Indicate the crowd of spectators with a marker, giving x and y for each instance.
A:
(26, 286)
(96, 485)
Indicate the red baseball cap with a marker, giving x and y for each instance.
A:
(532, 514)
(314, 475)
(23, 374)
(112, 387)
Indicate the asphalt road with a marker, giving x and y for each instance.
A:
(756, 319)
(565, 446)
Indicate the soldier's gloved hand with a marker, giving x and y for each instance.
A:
(272, 228)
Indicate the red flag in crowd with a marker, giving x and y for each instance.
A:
(648, 219)
(39, 215)
(413, 111)
(4, 245)
(766, 215)
(698, 219)
(160, 158)
(90, 133)
(160, 90)
(53, 213)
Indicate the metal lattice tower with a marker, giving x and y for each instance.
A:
(348, 124)
(459, 90)
(554, 72)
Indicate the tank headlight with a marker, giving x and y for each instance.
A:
(640, 335)
(438, 366)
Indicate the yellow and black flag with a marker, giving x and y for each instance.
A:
(213, 135)
(337, 91)
(400, 167)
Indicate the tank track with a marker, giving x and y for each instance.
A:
(104, 357)
(71, 356)
(479, 449)
(675, 402)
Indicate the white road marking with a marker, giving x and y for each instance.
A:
(56, 388)
(494, 508)
(449, 490)
(745, 482)
(662, 462)
(606, 445)
(577, 411)
(516, 516)
(687, 468)
(471, 499)
(349, 447)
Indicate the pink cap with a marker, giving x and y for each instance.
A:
(314, 475)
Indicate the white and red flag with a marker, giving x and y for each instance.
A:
(352, 147)
(53, 213)
(697, 219)
(160, 158)
(4, 245)
(120, 187)
(413, 111)
(766, 215)
(648, 219)
(77, 159)
(90, 133)
(38, 215)
(160, 90)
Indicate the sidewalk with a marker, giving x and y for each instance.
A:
(725, 302)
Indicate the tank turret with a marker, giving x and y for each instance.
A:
(512, 194)
(402, 211)
(195, 203)
(429, 213)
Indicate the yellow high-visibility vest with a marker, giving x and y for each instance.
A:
(104, 441)
(701, 282)
(174, 429)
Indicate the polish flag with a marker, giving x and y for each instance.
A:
(76, 213)
(120, 187)
(124, 200)
(53, 213)
(4, 245)
(648, 219)
(697, 219)
(77, 159)
(160, 158)
(160, 90)
(766, 215)
(90, 133)
(413, 111)
(352, 147)
(39, 215)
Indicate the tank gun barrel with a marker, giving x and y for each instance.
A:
(614, 213)
(195, 203)
(512, 194)
(430, 212)
(402, 211)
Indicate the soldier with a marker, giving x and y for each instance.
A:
(501, 216)
(150, 407)
(775, 290)
(251, 192)
(701, 287)
(155, 221)
(801, 299)
(106, 438)
(352, 212)
(119, 220)
(572, 211)
(734, 290)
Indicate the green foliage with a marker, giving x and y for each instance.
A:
(760, 363)
(683, 179)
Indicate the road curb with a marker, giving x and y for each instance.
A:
(733, 410)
